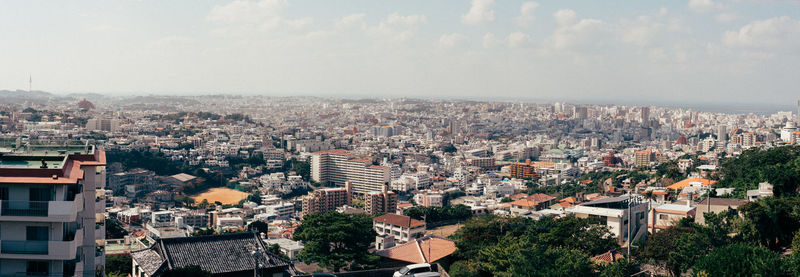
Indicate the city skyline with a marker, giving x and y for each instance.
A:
(654, 52)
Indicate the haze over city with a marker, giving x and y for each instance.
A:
(645, 52)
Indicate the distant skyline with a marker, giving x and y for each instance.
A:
(704, 51)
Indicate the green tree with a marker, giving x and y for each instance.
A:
(119, 264)
(189, 270)
(465, 268)
(620, 268)
(740, 260)
(537, 261)
(258, 226)
(771, 222)
(336, 240)
(114, 230)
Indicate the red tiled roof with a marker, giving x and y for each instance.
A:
(399, 220)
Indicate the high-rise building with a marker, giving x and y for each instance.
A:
(642, 158)
(524, 170)
(102, 124)
(798, 112)
(380, 202)
(645, 115)
(339, 166)
(324, 200)
(722, 133)
(581, 112)
(52, 201)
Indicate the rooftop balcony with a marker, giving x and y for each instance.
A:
(41, 211)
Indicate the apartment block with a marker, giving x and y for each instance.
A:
(524, 170)
(339, 166)
(402, 228)
(380, 202)
(324, 200)
(52, 201)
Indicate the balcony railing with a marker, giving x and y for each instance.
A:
(36, 247)
(49, 210)
(42, 249)
(24, 208)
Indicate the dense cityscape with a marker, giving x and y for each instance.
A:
(453, 185)
(375, 138)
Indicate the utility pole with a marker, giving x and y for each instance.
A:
(630, 198)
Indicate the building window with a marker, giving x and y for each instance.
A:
(37, 269)
(36, 233)
(663, 216)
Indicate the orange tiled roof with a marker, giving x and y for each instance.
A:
(417, 251)
(686, 182)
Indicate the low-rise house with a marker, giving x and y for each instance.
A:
(667, 215)
(403, 228)
(764, 190)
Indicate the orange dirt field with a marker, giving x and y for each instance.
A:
(224, 195)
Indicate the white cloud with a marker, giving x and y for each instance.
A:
(727, 17)
(245, 18)
(518, 39)
(490, 40)
(526, 13)
(453, 40)
(480, 12)
(703, 5)
(409, 20)
(566, 16)
(776, 32)
(350, 20)
(572, 31)
(247, 11)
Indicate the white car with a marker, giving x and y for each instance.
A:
(412, 269)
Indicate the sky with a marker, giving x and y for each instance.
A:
(677, 51)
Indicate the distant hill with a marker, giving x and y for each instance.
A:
(23, 96)
(25, 93)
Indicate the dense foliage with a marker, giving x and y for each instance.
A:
(520, 246)
(437, 214)
(118, 265)
(779, 166)
(336, 240)
(114, 230)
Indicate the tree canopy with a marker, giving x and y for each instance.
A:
(336, 240)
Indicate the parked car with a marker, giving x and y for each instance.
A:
(412, 269)
(426, 274)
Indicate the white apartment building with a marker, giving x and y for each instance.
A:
(613, 212)
(52, 201)
(339, 166)
(403, 228)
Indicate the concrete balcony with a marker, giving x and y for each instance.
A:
(41, 249)
(99, 206)
(41, 211)
(99, 232)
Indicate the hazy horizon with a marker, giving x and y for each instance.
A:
(687, 52)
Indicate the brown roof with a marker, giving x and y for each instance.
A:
(607, 258)
(729, 202)
(427, 249)
(399, 220)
